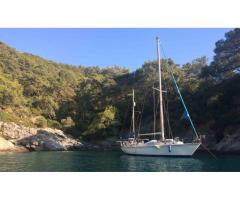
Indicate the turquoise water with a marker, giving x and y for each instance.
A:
(92, 161)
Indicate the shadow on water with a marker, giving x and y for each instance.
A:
(107, 161)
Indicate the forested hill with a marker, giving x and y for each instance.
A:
(94, 103)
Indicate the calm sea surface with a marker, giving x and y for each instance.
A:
(92, 161)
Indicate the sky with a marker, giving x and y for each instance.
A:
(106, 47)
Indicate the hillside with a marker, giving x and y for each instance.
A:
(39, 92)
(94, 103)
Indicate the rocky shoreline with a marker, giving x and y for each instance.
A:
(18, 138)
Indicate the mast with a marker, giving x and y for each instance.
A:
(133, 114)
(154, 112)
(160, 90)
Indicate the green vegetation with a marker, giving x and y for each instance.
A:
(94, 103)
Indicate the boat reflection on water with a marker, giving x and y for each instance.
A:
(161, 164)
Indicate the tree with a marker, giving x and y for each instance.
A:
(47, 105)
(227, 54)
(104, 123)
(194, 68)
(10, 91)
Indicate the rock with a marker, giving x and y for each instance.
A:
(108, 144)
(48, 140)
(11, 130)
(7, 146)
(35, 139)
(229, 144)
(35, 143)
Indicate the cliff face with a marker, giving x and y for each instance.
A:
(17, 138)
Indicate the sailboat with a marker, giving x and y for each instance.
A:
(163, 146)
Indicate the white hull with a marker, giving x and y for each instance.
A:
(187, 149)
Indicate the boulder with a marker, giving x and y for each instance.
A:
(14, 136)
(11, 131)
(48, 140)
(7, 146)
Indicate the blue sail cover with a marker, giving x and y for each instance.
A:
(185, 115)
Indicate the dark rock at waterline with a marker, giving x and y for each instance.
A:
(229, 144)
(85, 147)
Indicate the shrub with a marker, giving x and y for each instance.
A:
(41, 122)
(54, 124)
